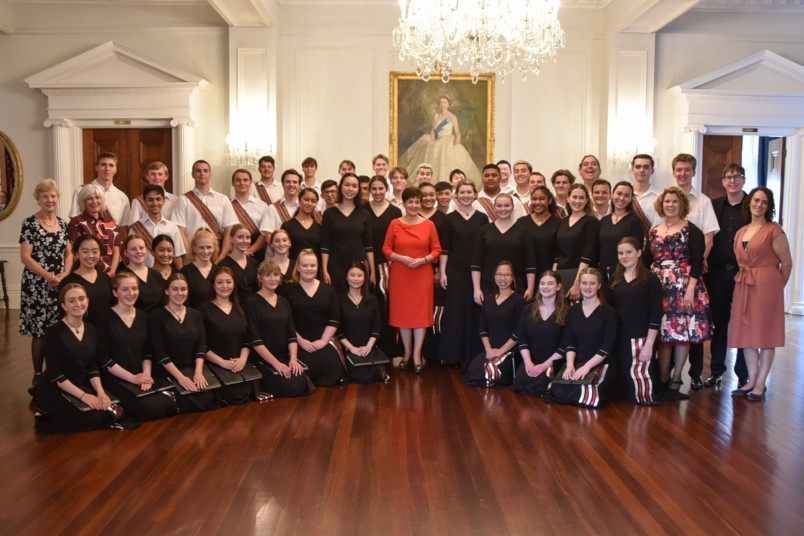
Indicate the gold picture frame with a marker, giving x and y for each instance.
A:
(415, 105)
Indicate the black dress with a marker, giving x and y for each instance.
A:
(311, 315)
(345, 239)
(99, 294)
(388, 342)
(67, 358)
(272, 327)
(301, 238)
(544, 241)
(491, 247)
(200, 290)
(181, 343)
(587, 337)
(459, 340)
(245, 278)
(542, 338)
(129, 347)
(611, 233)
(432, 337)
(359, 323)
(227, 335)
(639, 309)
(152, 290)
(498, 322)
(576, 244)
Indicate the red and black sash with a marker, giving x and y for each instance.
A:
(282, 210)
(244, 218)
(488, 206)
(139, 228)
(262, 191)
(206, 214)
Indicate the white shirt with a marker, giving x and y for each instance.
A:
(165, 227)
(316, 186)
(138, 213)
(116, 201)
(508, 188)
(271, 222)
(701, 212)
(256, 209)
(187, 216)
(275, 191)
(524, 199)
(646, 201)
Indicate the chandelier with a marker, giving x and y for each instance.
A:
(502, 36)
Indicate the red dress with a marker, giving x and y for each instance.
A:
(411, 289)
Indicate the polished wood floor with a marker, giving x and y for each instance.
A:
(420, 455)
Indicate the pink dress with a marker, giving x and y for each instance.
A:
(757, 311)
(410, 290)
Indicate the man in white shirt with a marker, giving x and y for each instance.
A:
(154, 223)
(642, 169)
(268, 189)
(204, 207)
(283, 209)
(117, 203)
(702, 215)
(250, 211)
(491, 189)
(156, 173)
(309, 169)
(505, 174)
(381, 165)
(522, 171)
(589, 170)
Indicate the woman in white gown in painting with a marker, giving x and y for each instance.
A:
(442, 147)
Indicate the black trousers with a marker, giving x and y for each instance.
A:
(720, 285)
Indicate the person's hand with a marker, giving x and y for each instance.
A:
(305, 345)
(580, 373)
(569, 371)
(146, 385)
(361, 350)
(283, 370)
(318, 345)
(415, 263)
(574, 293)
(200, 381)
(295, 367)
(444, 281)
(479, 297)
(187, 384)
(238, 364)
(325, 277)
(93, 402)
(539, 369)
(528, 295)
(646, 353)
(493, 353)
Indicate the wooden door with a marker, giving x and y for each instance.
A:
(135, 149)
(718, 152)
(775, 173)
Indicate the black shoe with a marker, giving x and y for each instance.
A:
(696, 382)
(740, 392)
(756, 398)
(713, 381)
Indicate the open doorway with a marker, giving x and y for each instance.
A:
(761, 156)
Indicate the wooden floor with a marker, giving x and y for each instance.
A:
(420, 455)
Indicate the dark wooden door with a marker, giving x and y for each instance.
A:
(718, 152)
(135, 149)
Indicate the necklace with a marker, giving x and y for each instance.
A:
(355, 299)
(77, 328)
(176, 315)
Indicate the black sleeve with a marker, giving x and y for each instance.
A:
(446, 240)
(105, 359)
(697, 249)
(477, 251)
(326, 231)
(518, 308)
(201, 341)
(376, 321)
(637, 230)
(254, 336)
(591, 244)
(53, 349)
(609, 330)
(334, 317)
(483, 325)
(655, 295)
(157, 331)
(528, 250)
(521, 327)
(290, 327)
(368, 233)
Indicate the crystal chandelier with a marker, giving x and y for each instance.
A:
(502, 36)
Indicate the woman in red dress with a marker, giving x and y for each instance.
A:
(411, 244)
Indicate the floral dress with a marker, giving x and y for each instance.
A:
(39, 308)
(672, 262)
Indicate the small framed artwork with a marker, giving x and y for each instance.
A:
(449, 126)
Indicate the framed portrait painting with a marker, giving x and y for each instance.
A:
(449, 126)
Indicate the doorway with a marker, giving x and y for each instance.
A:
(135, 148)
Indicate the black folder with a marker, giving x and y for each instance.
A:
(586, 380)
(375, 357)
(212, 381)
(227, 377)
(160, 384)
(80, 404)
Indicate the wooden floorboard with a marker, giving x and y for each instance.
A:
(420, 455)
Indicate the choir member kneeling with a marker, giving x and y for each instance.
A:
(274, 350)
(70, 396)
(637, 298)
(127, 358)
(179, 343)
(227, 339)
(540, 331)
(588, 341)
(316, 315)
(360, 329)
(499, 318)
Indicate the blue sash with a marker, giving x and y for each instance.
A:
(440, 126)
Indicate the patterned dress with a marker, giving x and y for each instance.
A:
(39, 308)
(673, 260)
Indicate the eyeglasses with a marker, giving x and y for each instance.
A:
(733, 178)
(503, 276)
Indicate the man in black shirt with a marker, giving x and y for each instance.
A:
(722, 269)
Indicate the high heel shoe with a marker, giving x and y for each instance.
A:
(740, 392)
(418, 367)
(756, 398)
(403, 364)
(713, 381)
